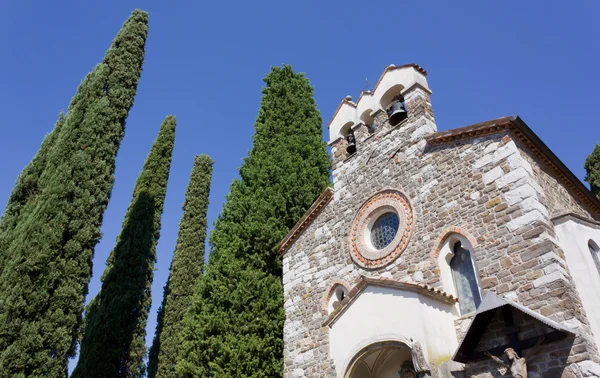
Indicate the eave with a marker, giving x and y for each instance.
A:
(306, 220)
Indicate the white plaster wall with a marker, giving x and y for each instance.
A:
(573, 237)
(381, 314)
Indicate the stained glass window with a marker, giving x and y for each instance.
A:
(465, 280)
(384, 230)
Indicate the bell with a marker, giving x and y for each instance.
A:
(397, 113)
(351, 148)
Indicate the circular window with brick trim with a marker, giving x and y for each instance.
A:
(381, 229)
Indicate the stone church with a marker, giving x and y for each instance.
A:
(471, 252)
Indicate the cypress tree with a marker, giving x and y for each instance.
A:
(26, 188)
(186, 269)
(235, 325)
(592, 168)
(45, 277)
(113, 343)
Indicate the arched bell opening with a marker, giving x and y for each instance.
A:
(366, 118)
(389, 359)
(393, 104)
(347, 133)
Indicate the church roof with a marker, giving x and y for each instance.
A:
(483, 317)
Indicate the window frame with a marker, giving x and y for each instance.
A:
(446, 273)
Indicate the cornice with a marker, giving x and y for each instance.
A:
(306, 220)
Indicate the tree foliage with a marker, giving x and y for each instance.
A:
(27, 187)
(592, 168)
(235, 325)
(186, 269)
(113, 343)
(44, 279)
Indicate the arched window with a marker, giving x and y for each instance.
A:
(595, 251)
(337, 294)
(465, 279)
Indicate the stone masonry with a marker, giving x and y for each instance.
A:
(490, 186)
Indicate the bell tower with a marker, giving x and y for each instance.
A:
(393, 119)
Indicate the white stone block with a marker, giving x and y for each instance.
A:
(492, 175)
(491, 148)
(589, 369)
(548, 278)
(497, 154)
(529, 204)
(552, 256)
(517, 161)
(555, 268)
(511, 177)
(520, 193)
(525, 219)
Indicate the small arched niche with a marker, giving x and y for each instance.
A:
(388, 96)
(337, 294)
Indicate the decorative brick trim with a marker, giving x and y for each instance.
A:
(363, 282)
(329, 292)
(364, 255)
(533, 143)
(439, 242)
(306, 220)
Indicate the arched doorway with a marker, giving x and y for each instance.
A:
(383, 360)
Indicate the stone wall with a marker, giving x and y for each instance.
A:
(485, 186)
(556, 198)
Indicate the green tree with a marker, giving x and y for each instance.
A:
(592, 168)
(113, 343)
(44, 282)
(186, 269)
(235, 325)
(26, 188)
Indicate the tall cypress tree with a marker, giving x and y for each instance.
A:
(186, 269)
(113, 343)
(235, 325)
(45, 277)
(26, 188)
(592, 168)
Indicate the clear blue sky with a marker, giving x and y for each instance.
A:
(205, 61)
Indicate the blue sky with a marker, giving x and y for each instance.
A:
(205, 61)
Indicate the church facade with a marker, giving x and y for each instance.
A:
(471, 252)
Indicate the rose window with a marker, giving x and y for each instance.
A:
(384, 230)
(381, 229)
